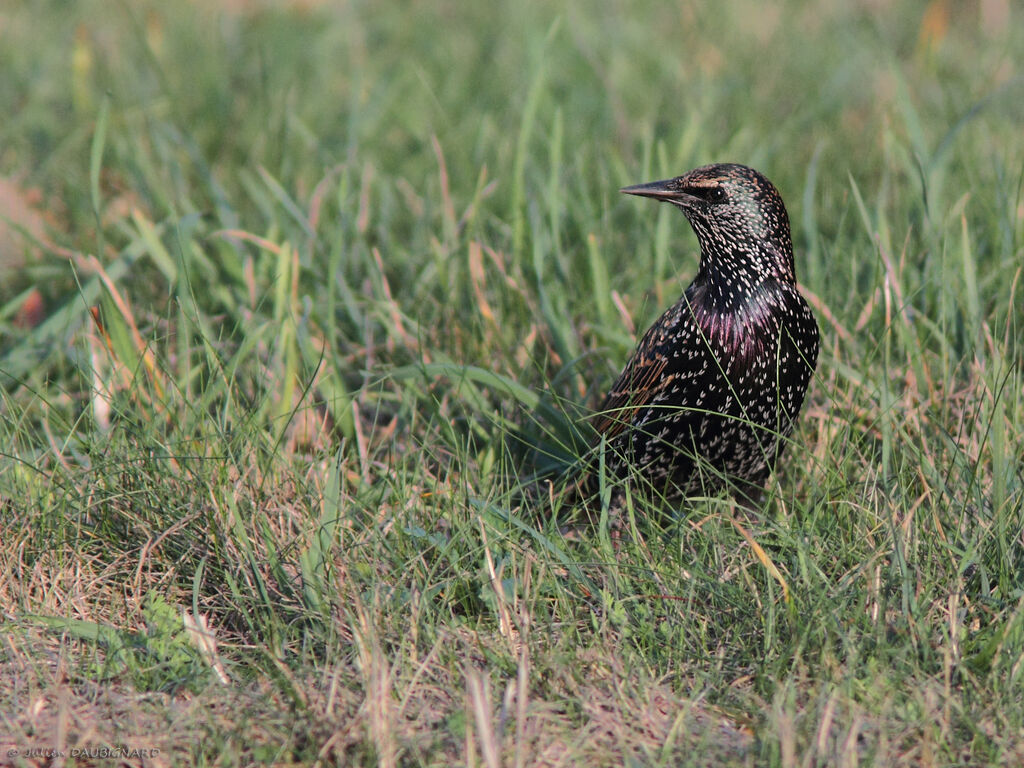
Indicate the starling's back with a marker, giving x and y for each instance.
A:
(715, 385)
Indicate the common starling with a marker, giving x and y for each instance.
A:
(715, 385)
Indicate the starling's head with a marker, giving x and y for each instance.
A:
(732, 208)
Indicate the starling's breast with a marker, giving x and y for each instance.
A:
(741, 332)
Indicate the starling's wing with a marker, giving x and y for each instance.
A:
(635, 388)
(656, 368)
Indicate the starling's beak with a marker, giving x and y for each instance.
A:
(660, 190)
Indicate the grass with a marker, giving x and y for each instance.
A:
(296, 282)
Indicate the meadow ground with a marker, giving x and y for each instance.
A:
(297, 296)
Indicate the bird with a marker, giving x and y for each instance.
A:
(712, 392)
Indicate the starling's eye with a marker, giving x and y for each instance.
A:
(708, 194)
(715, 195)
